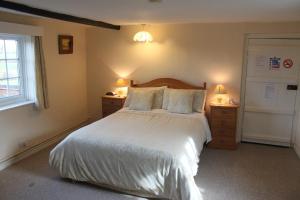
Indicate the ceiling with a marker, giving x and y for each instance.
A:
(124, 12)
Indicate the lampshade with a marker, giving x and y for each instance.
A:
(142, 36)
(122, 82)
(220, 89)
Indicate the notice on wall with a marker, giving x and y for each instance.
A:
(288, 63)
(270, 91)
(274, 63)
(260, 62)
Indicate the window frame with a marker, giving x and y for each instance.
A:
(23, 96)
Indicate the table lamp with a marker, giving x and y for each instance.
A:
(220, 92)
(121, 86)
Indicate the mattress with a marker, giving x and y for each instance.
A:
(146, 153)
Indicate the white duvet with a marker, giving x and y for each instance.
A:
(152, 153)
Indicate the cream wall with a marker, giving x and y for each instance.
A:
(67, 90)
(189, 52)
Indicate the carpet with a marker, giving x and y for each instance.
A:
(253, 172)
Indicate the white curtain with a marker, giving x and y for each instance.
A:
(41, 90)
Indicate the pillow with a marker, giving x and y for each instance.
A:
(181, 101)
(141, 100)
(157, 99)
(198, 102)
(166, 98)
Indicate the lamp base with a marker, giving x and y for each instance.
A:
(220, 100)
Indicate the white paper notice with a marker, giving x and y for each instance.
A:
(260, 62)
(270, 91)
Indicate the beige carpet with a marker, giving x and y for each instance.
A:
(253, 172)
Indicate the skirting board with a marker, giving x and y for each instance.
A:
(36, 148)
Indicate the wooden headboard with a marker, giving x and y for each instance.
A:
(170, 83)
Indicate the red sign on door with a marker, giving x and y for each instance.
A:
(288, 63)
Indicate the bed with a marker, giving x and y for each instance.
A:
(151, 154)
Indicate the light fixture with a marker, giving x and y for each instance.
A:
(220, 92)
(143, 36)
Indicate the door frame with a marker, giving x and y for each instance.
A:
(244, 76)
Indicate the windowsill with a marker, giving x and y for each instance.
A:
(12, 106)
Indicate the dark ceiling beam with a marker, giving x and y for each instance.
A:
(55, 15)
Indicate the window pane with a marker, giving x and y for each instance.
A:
(2, 69)
(12, 67)
(3, 88)
(13, 87)
(2, 53)
(11, 49)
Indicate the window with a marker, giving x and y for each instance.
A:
(12, 70)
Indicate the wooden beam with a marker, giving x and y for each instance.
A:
(55, 15)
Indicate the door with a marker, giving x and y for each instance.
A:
(271, 90)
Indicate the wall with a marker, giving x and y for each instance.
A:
(190, 52)
(67, 90)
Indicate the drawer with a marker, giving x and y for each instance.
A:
(111, 109)
(225, 123)
(106, 112)
(221, 132)
(223, 143)
(223, 113)
(112, 102)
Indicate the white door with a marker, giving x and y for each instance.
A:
(271, 90)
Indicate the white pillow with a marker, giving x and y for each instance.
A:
(181, 101)
(141, 100)
(157, 99)
(198, 102)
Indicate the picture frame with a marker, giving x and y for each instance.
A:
(65, 44)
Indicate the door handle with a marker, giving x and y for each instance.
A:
(292, 87)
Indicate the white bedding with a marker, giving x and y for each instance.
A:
(149, 153)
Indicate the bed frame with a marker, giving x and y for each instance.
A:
(170, 83)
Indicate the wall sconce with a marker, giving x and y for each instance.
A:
(121, 87)
(143, 36)
(220, 92)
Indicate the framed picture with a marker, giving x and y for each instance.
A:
(65, 44)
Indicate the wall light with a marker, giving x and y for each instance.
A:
(143, 36)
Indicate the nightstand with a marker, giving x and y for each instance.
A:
(111, 104)
(222, 120)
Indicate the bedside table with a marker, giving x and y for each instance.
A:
(111, 104)
(222, 120)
